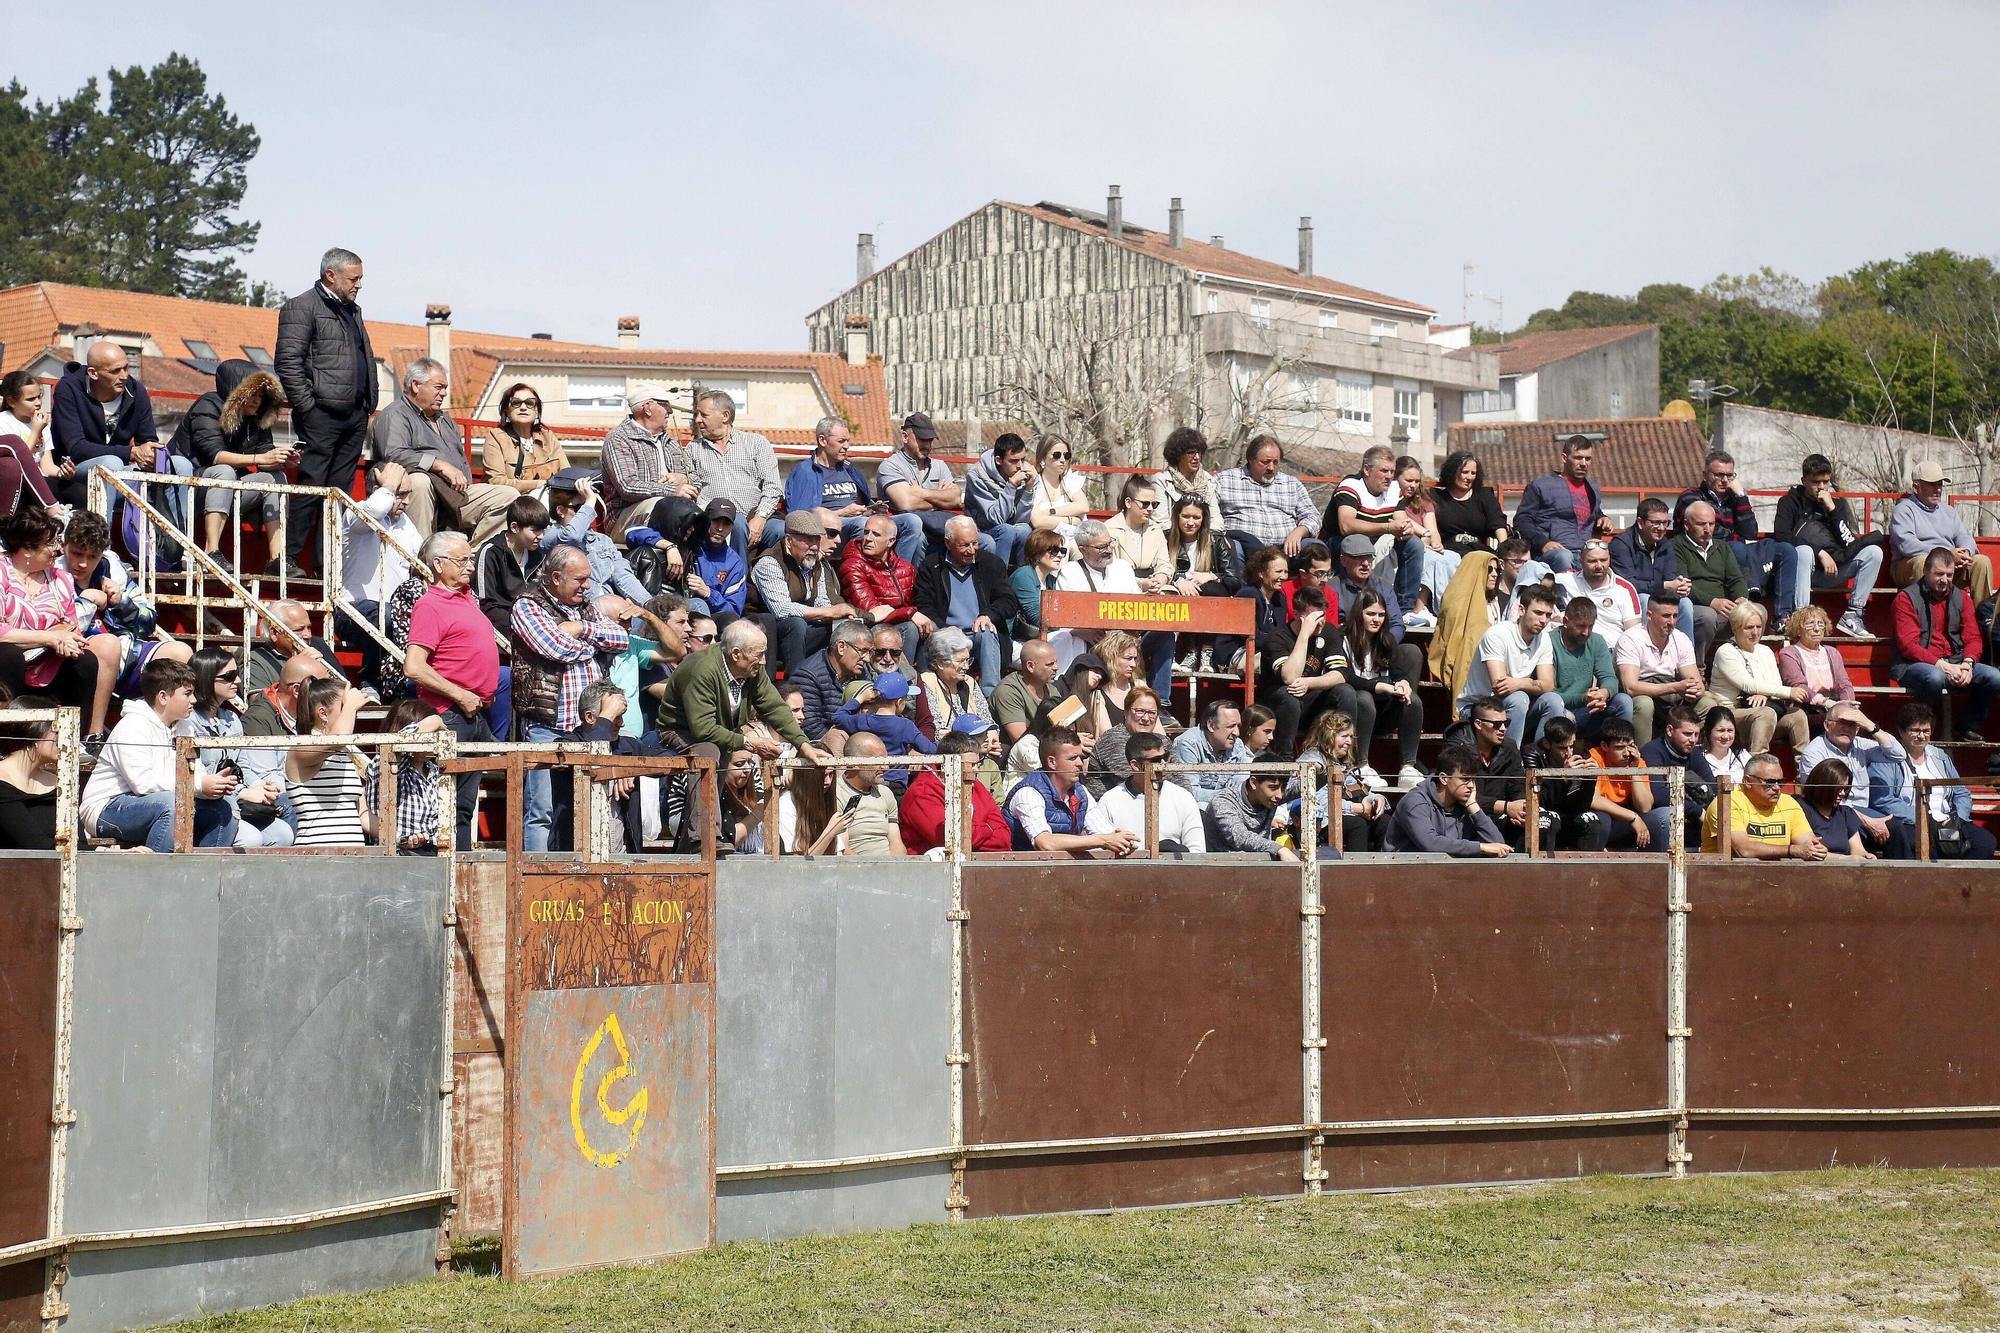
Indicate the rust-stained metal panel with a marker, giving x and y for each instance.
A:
(21, 1297)
(479, 1028)
(621, 926)
(1145, 1178)
(27, 1044)
(1483, 989)
(1863, 987)
(613, 1150)
(1111, 999)
(610, 1049)
(1808, 1145)
(1397, 1161)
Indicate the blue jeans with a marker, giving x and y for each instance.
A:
(1527, 712)
(1770, 566)
(1862, 571)
(500, 713)
(909, 534)
(536, 798)
(985, 657)
(1686, 622)
(149, 821)
(1562, 560)
(1589, 725)
(1926, 682)
(1409, 571)
(1006, 541)
(1156, 649)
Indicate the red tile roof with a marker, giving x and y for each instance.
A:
(31, 317)
(1205, 258)
(1658, 453)
(1529, 352)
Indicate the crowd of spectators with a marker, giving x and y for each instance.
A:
(656, 602)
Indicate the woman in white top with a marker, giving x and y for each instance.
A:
(24, 417)
(1718, 743)
(1059, 501)
(325, 783)
(1745, 677)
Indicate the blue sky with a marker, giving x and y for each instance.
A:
(552, 167)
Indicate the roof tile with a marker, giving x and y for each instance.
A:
(1529, 352)
(1656, 453)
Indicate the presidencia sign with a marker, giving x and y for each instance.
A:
(610, 1066)
(1142, 613)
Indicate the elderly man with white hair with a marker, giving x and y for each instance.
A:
(965, 587)
(1098, 568)
(415, 433)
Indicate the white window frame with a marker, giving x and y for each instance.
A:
(738, 391)
(1354, 403)
(1412, 420)
(1260, 313)
(1617, 402)
(1303, 401)
(1383, 328)
(1214, 302)
(1328, 319)
(596, 393)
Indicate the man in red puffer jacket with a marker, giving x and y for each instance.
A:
(881, 585)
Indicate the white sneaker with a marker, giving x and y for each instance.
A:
(1371, 777)
(1850, 625)
(1419, 619)
(1410, 777)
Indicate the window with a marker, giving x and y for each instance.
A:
(1214, 302)
(1355, 405)
(200, 350)
(596, 395)
(259, 356)
(1260, 314)
(1328, 320)
(1382, 328)
(1302, 406)
(1493, 400)
(738, 391)
(1617, 402)
(1409, 398)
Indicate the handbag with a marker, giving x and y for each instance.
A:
(1948, 840)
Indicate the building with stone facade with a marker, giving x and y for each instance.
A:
(1063, 318)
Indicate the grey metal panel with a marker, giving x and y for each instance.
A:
(329, 1018)
(834, 989)
(115, 1289)
(143, 1043)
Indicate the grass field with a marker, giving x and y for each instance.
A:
(1847, 1249)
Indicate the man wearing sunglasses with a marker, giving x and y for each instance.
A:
(1764, 823)
(1000, 497)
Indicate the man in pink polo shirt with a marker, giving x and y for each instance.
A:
(452, 658)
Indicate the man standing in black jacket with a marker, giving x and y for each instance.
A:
(328, 369)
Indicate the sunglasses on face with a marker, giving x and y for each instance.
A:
(1058, 456)
(701, 638)
(520, 403)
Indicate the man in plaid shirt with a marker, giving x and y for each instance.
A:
(646, 478)
(559, 639)
(419, 803)
(1263, 505)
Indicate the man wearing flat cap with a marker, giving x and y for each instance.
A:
(1924, 521)
(799, 590)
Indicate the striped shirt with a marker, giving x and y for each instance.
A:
(1353, 493)
(1267, 512)
(328, 804)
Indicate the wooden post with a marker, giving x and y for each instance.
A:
(1148, 770)
(1724, 833)
(388, 773)
(1923, 821)
(968, 778)
(772, 846)
(1534, 830)
(184, 781)
(582, 792)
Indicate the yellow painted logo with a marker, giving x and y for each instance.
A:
(632, 1114)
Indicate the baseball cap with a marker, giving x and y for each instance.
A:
(920, 426)
(971, 724)
(567, 479)
(1929, 472)
(1355, 544)
(641, 392)
(892, 685)
(720, 507)
(804, 523)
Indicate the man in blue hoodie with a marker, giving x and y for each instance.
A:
(102, 417)
(1000, 497)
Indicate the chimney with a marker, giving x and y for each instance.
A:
(437, 319)
(1174, 224)
(628, 331)
(1114, 215)
(857, 340)
(864, 256)
(1305, 247)
(1216, 241)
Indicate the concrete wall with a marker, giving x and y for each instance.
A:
(1606, 383)
(1768, 446)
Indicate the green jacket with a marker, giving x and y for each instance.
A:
(1580, 671)
(1713, 576)
(696, 704)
